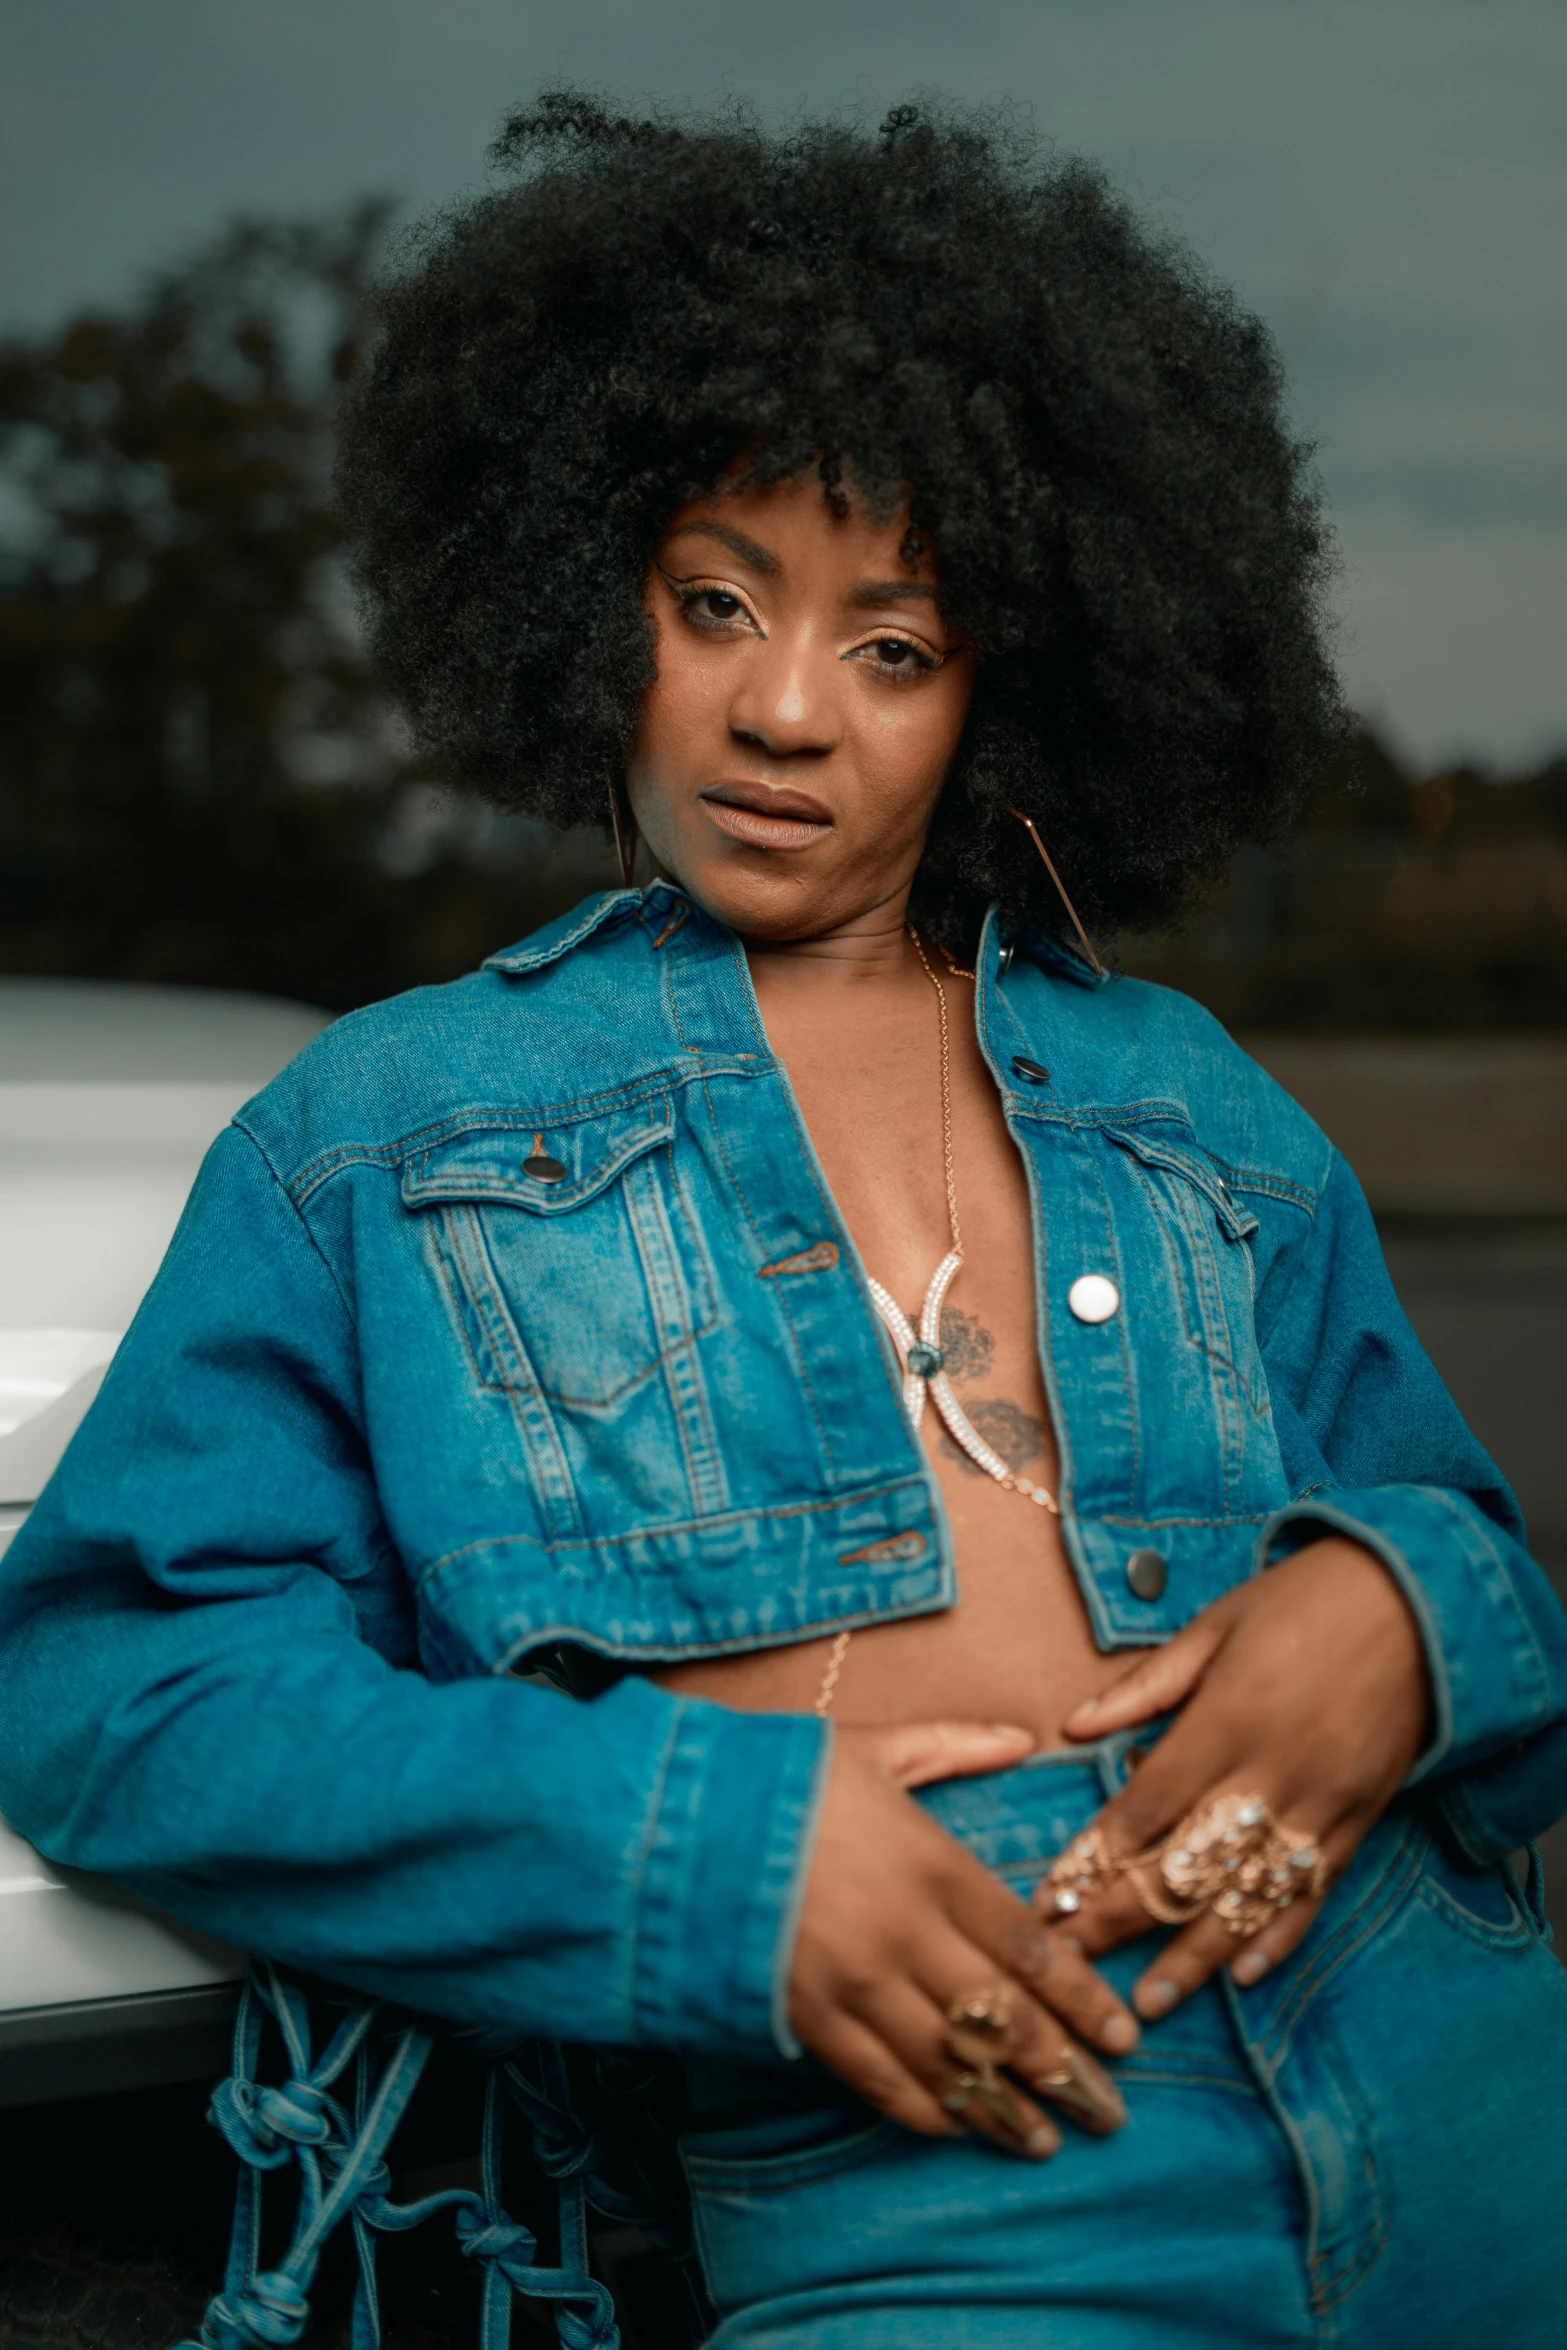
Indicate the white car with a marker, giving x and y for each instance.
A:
(109, 1097)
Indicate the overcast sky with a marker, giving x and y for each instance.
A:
(1386, 180)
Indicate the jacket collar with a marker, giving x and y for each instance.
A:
(570, 929)
(658, 899)
(1066, 962)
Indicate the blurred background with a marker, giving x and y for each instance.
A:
(202, 789)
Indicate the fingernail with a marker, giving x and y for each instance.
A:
(1009, 1730)
(1119, 2034)
(1251, 1966)
(1156, 1998)
(1040, 2144)
(1090, 1705)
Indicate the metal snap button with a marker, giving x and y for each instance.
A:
(1147, 1573)
(1030, 1071)
(543, 1168)
(1092, 1298)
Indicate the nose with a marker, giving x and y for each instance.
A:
(786, 700)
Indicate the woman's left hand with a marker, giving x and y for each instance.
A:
(1306, 1686)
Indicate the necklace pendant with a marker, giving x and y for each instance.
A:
(924, 1374)
(919, 1351)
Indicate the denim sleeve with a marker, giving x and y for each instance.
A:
(1374, 1447)
(207, 1683)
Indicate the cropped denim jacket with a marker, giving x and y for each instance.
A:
(512, 1338)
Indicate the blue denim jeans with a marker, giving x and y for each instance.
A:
(1368, 2149)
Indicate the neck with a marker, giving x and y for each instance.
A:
(870, 946)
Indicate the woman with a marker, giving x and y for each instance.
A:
(663, 1489)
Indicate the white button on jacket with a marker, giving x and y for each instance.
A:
(1092, 1298)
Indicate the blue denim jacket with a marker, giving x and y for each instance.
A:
(402, 1416)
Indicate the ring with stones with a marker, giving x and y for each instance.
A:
(1232, 1856)
(1087, 1863)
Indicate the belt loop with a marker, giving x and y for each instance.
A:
(1117, 1756)
(1534, 1894)
(1110, 1760)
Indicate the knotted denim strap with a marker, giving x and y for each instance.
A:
(339, 2149)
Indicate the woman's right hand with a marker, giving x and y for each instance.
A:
(899, 1923)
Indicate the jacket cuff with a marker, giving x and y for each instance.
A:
(1492, 1681)
(722, 1877)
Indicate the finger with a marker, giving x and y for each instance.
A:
(1043, 2052)
(1116, 1913)
(1084, 2090)
(1154, 1685)
(1197, 1953)
(1202, 1754)
(1265, 1950)
(1120, 1911)
(1055, 1970)
(914, 1753)
(1058, 2067)
(859, 2056)
(993, 1919)
(915, 2027)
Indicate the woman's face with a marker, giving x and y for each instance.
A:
(809, 700)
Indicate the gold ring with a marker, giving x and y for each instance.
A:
(981, 2032)
(1085, 1865)
(1232, 1856)
(981, 2036)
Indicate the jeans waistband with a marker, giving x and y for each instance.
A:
(1019, 1819)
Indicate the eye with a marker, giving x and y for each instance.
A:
(712, 604)
(898, 656)
(706, 605)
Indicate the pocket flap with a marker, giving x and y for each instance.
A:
(491, 1163)
(1155, 1150)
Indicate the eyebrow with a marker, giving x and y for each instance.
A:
(748, 550)
(892, 591)
(869, 593)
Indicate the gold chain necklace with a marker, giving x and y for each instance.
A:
(920, 1351)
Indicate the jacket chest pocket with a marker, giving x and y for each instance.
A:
(576, 1266)
(1204, 1231)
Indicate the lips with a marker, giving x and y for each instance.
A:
(767, 816)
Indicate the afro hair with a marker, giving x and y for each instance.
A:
(1086, 430)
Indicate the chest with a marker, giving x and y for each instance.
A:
(908, 1127)
(649, 1398)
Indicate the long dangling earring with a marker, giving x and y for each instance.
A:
(1099, 969)
(625, 825)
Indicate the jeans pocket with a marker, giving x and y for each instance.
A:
(783, 2150)
(767, 2194)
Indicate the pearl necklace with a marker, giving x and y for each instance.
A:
(920, 1351)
